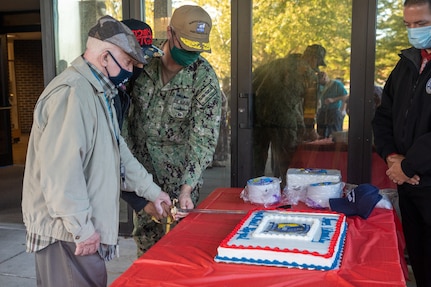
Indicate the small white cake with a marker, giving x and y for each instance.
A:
(294, 239)
(318, 194)
(298, 179)
(302, 177)
(262, 190)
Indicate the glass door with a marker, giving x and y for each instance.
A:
(267, 126)
(301, 77)
(283, 114)
(5, 107)
(72, 21)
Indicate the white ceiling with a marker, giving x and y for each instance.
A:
(19, 5)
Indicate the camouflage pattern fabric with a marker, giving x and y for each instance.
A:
(279, 88)
(173, 129)
(146, 232)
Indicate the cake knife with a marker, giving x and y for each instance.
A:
(212, 211)
(220, 211)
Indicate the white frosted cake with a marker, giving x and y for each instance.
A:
(298, 179)
(297, 239)
(262, 190)
(302, 177)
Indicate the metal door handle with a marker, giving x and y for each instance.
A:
(245, 110)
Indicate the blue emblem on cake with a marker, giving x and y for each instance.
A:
(288, 227)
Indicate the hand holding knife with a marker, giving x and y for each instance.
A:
(177, 213)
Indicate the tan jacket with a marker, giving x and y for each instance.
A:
(72, 174)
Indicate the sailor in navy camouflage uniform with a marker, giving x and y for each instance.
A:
(174, 118)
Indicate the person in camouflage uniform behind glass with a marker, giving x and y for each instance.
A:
(283, 90)
(173, 123)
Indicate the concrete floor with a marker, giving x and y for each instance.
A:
(16, 266)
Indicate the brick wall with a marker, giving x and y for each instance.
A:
(29, 79)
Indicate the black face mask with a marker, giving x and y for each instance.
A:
(136, 72)
(122, 77)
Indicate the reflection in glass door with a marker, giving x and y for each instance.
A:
(301, 77)
(74, 18)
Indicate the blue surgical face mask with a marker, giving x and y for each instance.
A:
(122, 78)
(420, 38)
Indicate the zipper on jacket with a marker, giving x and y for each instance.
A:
(412, 94)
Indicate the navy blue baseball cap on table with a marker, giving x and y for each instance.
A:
(360, 201)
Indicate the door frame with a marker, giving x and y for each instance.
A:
(363, 58)
(241, 104)
(362, 84)
(6, 155)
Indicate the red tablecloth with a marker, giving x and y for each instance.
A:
(185, 256)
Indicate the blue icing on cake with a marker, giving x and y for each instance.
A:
(260, 180)
(255, 241)
(244, 232)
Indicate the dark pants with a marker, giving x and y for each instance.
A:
(415, 207)
(56, 265)
(283, 141)
(328, 121)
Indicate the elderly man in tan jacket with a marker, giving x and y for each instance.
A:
(77, 161)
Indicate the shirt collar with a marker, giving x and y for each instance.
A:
(425, 55)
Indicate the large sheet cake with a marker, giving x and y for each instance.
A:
(296, 239)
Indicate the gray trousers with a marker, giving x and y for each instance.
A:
(56, 265)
